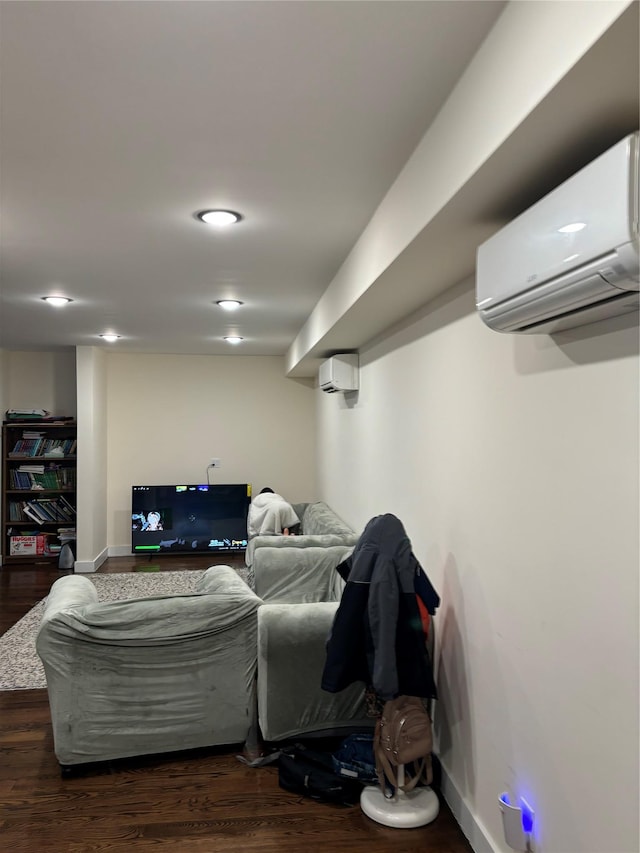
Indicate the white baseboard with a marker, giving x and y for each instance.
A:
(474, 831)
(119, 551)
(89, 566)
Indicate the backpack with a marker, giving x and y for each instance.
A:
(310, 773)
(403, 736)
(354, 758)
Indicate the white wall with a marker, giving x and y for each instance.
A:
(4, 381)
(41, 380)
(169, 415)
(4, 387)
(91, 497)
(513, 463)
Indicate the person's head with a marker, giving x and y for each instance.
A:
(266, 490)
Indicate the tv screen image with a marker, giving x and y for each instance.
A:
(189, 518)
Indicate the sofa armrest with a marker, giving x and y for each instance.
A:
(223, 579)
(311, 540)
(298, 575)
(320, 518)
(291, 657)
(69, 591)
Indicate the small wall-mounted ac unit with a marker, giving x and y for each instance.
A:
(339, 373)
(572, 258)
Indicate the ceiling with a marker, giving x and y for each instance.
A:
(119, 121)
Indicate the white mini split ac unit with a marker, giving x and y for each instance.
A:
(572, 258)
(339, 373)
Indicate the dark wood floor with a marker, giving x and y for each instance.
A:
(198, 802)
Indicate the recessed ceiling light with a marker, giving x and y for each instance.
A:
(229, 304)
(219, 217)
(57, 301)
(109, 337)
(232, 339)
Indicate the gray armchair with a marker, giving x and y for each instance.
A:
(149, 675)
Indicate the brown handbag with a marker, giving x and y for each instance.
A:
(403, 736)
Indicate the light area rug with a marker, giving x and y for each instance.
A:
(20, 666)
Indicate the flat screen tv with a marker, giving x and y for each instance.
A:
(189, 519)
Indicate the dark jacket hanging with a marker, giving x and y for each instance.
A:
(377, 634)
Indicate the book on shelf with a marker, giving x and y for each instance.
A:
(19, 480)
(46, 509)
(16, 414)
(32, 514)
(66, 534)
(19, 416)
(56, 509)
(65, 503)
(26, 447)
(51, 479)
(15, 511)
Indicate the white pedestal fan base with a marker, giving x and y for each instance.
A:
(404, 811)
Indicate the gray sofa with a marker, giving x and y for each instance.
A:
(320, 527)
(294, 622)
(149, 675)
(165, 673)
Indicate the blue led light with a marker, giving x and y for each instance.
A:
(527, 816)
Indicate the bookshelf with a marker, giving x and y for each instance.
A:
(38, 489)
